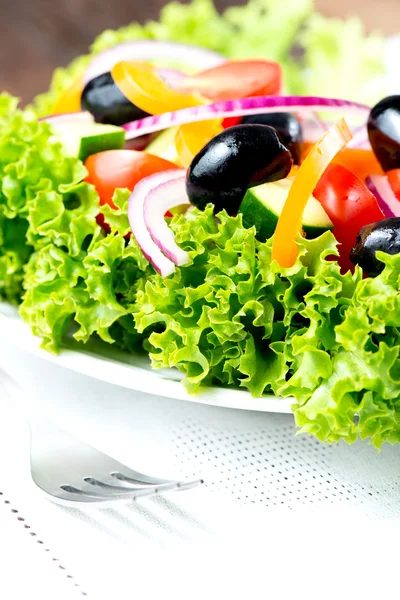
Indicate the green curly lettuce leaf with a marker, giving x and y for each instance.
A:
(83, 278)
(230, 316)
(361, 396)
(318, 54)
(339, 60)
(39, 185)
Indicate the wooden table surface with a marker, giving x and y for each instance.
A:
(38, 35)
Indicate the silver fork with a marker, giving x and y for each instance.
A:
(70, 471)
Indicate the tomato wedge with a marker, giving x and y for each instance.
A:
(394, 180)
(121, 169)
(236, 79)
(349, 204)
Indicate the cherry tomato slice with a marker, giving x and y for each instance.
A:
(349, 204)
(141, 84)
(70, 99)
(394, 180)
(121, 169)
(231, 122)
(236, 79)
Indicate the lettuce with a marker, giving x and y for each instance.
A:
(38, 183)
(83, 277)
(232, 317)
(319, 55)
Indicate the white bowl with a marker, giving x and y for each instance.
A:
(134, 372)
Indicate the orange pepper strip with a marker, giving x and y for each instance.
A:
(191, 138)
(139, 82)
(284, 246)
(70, 99)
(360, 161)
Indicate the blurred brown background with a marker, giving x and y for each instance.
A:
(38, 35)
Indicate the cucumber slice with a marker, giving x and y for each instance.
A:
(83, 139)
(164, 145)
(263, 204)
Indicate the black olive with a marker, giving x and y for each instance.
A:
(384, 132)
(103, 98)
(239, 157)
(383, 235)
(287, 126)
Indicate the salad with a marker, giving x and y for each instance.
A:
(219, 209)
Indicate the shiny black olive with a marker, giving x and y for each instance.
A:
(240, 157)
(383, 235)
(384, 132)
(287, 126)
(103, 98)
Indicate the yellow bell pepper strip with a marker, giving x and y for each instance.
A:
(191, 138)
(139, 82)
(284, 246)
(70, 99)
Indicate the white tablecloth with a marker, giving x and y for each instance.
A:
(331, 538)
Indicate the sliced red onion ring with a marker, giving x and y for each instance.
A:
(151, 251)
(193, 56)
(65, 118)
(388, 203)
(158, 201)
(239, 108)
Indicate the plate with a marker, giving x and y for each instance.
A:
(131, 371)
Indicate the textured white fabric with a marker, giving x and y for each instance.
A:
(279, 514)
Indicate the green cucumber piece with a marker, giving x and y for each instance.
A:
(83, 139)
(164, 145)
(263, 204)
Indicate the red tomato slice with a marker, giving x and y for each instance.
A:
(236, 79)
(231, 121)
(121, 169)
(394, 180)
(349, 204)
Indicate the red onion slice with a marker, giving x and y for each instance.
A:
(136, 201)
(69, 118)
(152, 50)
(239, 108)
(158, 201)
(388, 203)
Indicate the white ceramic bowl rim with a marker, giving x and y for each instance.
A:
(130, 371)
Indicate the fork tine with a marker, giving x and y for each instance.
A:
(96, 487)
(131, 477)
(71, 495)
(178, 486)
